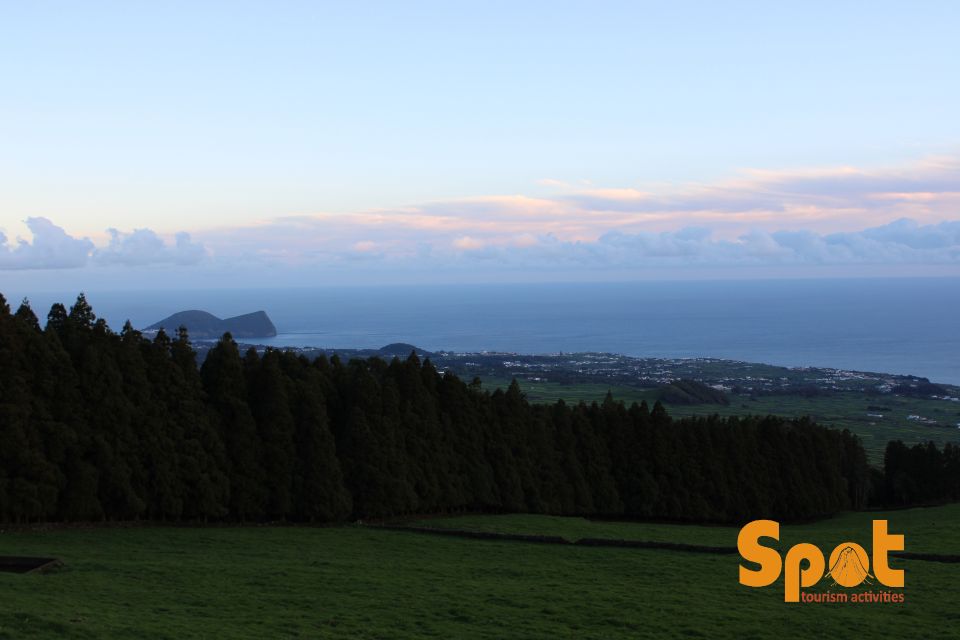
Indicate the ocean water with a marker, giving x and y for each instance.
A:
(907, 326)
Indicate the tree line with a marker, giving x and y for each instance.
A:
(98, 425)
(921, 474)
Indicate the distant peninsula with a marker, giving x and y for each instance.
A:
(202, 325)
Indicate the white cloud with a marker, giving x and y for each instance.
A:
(50, 248)
(900, 242)
(144, 247)
(327, 244)
(53, 248)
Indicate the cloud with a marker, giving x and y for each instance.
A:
(551, 182)
(467, 243)
(832, 216)
(819, 198)
(51, 248)
(909, 233)
(144, 247)
(802, 218)
(365, 246)
(898, 243)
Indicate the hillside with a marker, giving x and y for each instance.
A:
(204, 325)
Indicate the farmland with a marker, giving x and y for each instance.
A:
(875, 420)
(364, 582)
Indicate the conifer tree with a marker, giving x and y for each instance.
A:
(270, 406)
(318, 490)
(202, 453)
(223, 381)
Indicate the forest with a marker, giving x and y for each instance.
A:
(104, 426)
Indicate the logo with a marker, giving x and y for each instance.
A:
(848, 565)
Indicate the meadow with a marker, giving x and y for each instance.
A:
(931, 530)
(364, 582)
(843, 410)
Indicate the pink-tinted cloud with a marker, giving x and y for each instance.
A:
(752, 205)
(840, 216)
(824, 199)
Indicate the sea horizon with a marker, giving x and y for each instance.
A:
(882, 325)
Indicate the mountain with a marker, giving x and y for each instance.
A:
(401, 350)
(202, 325)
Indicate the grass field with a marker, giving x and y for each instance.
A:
(847, 410)
(931, 530)
(355, 582)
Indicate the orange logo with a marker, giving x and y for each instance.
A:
(848, 565)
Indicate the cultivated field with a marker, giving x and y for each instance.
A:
(359, 582)
(844, 410)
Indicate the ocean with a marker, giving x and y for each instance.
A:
(904, 326)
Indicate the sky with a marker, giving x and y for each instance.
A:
(249, 143)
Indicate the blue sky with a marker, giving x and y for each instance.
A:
(374, 141)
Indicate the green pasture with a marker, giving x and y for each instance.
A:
(362, 582)
(846, 410)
